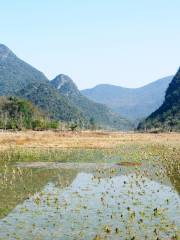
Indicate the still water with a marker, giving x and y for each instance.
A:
(95, 203)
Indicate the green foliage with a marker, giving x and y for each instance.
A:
(54, 105)
(73, 126)
(16, 113)
(92, 124)
(53, 124)
(44, 124)
(167, 117)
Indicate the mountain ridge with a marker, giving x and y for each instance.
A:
(132, 103)
(16, 73)
(18, 78)
(167, 116)
(128, 88)
(96, 111)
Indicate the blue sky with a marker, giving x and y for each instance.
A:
(123, 42)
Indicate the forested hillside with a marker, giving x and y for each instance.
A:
(53, 104)
(167, 117)
(97, 113)
(17, 78)
(16, 74)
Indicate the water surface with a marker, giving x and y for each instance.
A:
(93, 203)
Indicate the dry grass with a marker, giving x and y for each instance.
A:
(86, 139)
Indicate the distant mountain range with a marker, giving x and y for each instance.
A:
(132, 103)
(167, 117)
(105, 106)
(59, 99)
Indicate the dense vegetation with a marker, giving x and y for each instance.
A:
(167, 117)
(134, 104)
(96, 114)
(51, 102)
(16, 113)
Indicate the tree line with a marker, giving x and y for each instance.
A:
(19, 114)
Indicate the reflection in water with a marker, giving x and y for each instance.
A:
(119, 207)
(16, 188)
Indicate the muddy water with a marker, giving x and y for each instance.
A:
(93, 202)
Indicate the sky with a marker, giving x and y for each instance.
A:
(124, 42)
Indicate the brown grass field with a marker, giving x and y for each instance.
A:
(85, 139)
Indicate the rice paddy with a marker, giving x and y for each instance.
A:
(89, 185)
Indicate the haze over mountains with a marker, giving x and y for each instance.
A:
(21, 79)
(106, 106)
(133, 103)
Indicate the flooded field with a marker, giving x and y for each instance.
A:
(126, 191)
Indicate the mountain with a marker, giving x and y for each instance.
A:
(47, 98)
(16, 74)
(66, 86)
(99, 113)
(18, 78)
(167, 117)
(132, 103)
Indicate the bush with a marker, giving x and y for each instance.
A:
(16, 113)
